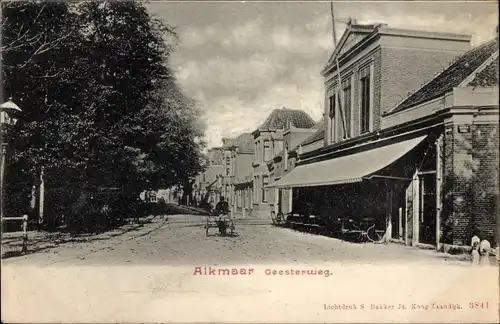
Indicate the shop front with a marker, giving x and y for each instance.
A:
(389, 183)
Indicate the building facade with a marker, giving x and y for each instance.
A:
(268, 142)
(207, 186)
(228, 147)
(284, 162)
(242, 158)
(410, 137)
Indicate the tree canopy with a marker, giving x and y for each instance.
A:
(101, 106)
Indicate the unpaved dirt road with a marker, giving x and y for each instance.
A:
(181, 240)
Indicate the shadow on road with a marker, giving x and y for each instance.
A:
(44, 240)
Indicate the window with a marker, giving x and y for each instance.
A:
(365, 100)
(228, 166)
(332, 107)
(285, 156)
(264, 189)
(347, 89)
(267, 151)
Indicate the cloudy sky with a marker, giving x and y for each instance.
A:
(241, 60)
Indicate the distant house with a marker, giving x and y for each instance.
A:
(268, 142)
(241, 159)
(207, 186)
(228, 147)
(284, 162)
(410, 137)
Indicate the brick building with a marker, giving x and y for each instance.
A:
(410, 137)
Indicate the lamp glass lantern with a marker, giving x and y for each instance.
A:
(9, 113)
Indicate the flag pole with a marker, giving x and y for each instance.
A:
(339, 83)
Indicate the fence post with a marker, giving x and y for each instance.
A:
(25, 234)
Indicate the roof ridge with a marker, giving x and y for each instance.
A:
(455, 60)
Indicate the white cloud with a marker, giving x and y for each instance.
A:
(252, 68)
(232, 116)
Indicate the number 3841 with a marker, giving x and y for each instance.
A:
(478, 305)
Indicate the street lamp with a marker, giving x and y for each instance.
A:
(8, 117)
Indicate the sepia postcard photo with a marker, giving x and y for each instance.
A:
(249, 161)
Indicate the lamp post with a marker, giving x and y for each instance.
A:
(8, 117)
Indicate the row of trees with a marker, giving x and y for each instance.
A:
(101, 107)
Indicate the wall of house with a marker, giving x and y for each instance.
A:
(243, 165)
(297, 135)
(420, 57)
(420, 66)
(470, 205)
(260, 172)
(371, 60)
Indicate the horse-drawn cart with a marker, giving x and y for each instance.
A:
(222, 222)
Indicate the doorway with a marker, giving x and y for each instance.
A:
(427, 217)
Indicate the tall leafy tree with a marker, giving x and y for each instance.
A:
(100, 104)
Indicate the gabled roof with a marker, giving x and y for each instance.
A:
(282, 118)
(351, 36)
(453, 76)
(318, 135)
(245, 143)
